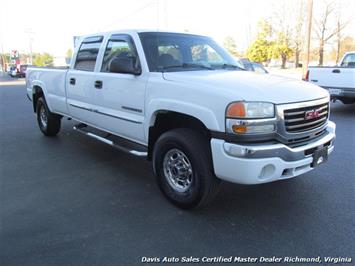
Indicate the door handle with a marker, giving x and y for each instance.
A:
(72, 81)
(336, 71)
(98, 84)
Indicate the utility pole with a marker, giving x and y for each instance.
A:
(309, 30)
(3, 63)
(2, 56)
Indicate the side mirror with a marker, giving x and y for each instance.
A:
(124, 64)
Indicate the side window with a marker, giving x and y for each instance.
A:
(205, 53)
(87, 54)
(117, 48)
(349, 61)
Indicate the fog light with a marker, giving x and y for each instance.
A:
(242, 129)
(267, 171)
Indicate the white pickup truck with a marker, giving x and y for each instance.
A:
(181, 101)
(339, 80)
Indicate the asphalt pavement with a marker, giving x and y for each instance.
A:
(70, 200)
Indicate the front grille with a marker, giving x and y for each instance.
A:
(306, 118)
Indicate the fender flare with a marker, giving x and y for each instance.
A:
(205, 115)
(39, 84)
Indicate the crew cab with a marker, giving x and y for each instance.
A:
(181, 101)
(339, 80)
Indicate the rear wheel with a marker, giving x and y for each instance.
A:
(48, 122)
(183, 165)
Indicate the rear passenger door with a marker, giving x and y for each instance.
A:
(120, 98)
(80, 81)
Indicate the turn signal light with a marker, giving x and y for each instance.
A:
(236, 110)
(239, 129)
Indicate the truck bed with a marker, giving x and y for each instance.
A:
(56, 77)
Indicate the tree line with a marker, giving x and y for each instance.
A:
(282, 35)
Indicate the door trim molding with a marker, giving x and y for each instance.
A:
(102, 113)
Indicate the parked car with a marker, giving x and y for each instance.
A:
(182, 102)
(338, 80)
(18, 71)
(12, 72)
(22, 71)
(252, 66)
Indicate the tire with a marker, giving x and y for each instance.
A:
(49, 123)
(191, 150)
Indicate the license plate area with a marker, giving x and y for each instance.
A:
(334, 91)
(320, 156)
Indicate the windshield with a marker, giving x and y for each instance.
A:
(167, 52)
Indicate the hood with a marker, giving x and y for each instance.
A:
(250, 86)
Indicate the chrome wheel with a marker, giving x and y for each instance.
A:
(43, 116)
(177, 170)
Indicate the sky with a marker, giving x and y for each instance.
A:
(51, 24)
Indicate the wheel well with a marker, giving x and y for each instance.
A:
(38, 93)
(168, 120)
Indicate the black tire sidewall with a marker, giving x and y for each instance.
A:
(53, 120)
(193, 196)
(41, 102)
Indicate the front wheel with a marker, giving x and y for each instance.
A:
(48, 122)
(183, 165)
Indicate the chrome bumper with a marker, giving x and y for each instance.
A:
(282, 151)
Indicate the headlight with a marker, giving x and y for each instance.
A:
(250, 118)
(251, 110)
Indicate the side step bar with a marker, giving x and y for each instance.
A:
(112, 140)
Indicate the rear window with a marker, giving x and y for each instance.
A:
(87, 54)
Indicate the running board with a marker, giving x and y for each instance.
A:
(113, 140)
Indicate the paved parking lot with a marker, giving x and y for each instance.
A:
(70, 200)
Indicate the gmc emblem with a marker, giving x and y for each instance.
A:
(311, 114)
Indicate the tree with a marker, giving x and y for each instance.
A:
(339, 33)
(283, 31)
(281, 49)
(260, 49)
(323, 30)
(2, 62)
(346, 44)
(5, 60)
(44, 59)
(230, 45)
(298, 36)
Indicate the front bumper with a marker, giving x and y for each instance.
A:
(255, 164)
(336, 93)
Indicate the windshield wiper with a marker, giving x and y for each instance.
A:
(224, 66)
(187, 65)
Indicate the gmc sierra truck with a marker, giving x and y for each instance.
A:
(181, 101)
(339, 80)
